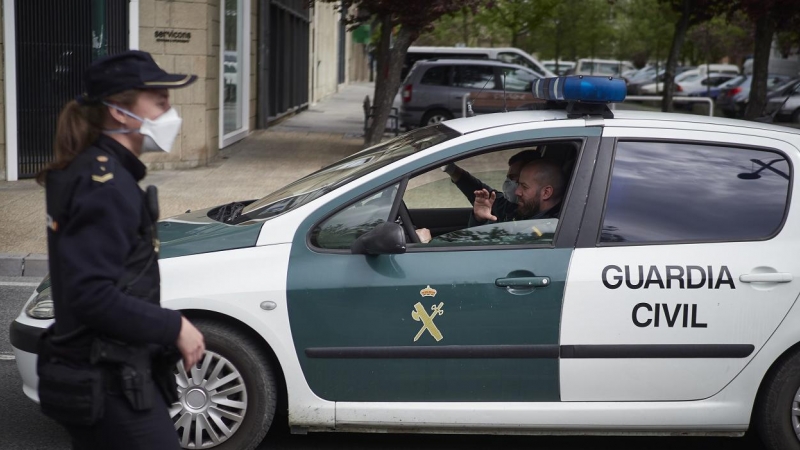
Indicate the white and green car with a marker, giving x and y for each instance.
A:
(661, 300)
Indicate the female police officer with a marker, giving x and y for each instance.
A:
(104, 367)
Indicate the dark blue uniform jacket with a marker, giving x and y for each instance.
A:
(103, 250)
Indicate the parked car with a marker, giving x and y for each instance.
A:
(511, 55)
(661, 298)
(733, 101)
(608, 67)
(785, 102)
(434, 90)
(702, 82)
(560, 68)
(658, 87)
(711, 92)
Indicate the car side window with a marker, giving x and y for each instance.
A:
(436, 76)
(342, 229)
(442, 202)
(517, 80)
(475, 77)
(662, 192)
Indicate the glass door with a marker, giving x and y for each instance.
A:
(234, 71)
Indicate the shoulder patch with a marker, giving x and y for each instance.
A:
(102, 169)
(103, 178)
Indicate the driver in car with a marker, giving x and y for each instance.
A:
(539, 194)
(540, 189)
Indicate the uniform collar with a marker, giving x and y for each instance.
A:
(125, 157)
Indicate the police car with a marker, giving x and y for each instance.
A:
(660, 300)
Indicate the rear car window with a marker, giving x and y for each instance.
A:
(436, 76)
(475, 77)
(662, 192)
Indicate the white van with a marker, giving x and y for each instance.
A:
(610, 67)
(506, 54)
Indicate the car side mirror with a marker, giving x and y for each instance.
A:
(385, 239)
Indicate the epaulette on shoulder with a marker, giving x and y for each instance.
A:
(103, 170)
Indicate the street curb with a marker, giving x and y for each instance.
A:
(23, 265)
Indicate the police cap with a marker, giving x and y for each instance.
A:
(132, 69)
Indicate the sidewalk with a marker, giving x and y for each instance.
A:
(341, 113)
(260, 164)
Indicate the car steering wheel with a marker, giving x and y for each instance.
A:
(405, 217)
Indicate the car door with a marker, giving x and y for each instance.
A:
(452, 320)
(473, 80)
(682, 270)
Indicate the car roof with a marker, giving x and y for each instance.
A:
(658, 119)
(471, 62)
(696, 119)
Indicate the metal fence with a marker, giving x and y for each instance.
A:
(54, 46)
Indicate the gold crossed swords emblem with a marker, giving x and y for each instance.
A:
(420, 315)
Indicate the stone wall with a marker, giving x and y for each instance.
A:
(197, 104)
(253, 62)
(2, 101)
(324, 52)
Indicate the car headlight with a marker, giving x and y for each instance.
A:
(42, 306)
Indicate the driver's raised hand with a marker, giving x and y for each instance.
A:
(483, 205)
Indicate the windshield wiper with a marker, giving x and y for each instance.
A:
(228, 213)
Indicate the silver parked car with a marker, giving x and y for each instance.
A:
(788, 100)
(434, 90)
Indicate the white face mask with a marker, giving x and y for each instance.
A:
(509, 190)
(159, 133)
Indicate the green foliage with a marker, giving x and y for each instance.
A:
(636, 30)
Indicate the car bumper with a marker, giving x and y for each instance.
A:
(410, 118)
(24, 339)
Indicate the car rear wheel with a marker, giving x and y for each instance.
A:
(777, 412)
(227, 401)
(435, 116)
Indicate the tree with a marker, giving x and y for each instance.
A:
(691, 12)
(769, 17)
(643, 30)
(401, 23)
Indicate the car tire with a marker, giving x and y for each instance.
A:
(774, 416)
(248, 398)
(435, 116)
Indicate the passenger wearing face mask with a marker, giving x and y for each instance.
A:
(106, 365)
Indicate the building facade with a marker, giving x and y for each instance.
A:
(253, 59)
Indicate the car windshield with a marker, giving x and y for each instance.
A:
(344, 171)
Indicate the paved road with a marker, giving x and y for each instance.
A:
(22, 427)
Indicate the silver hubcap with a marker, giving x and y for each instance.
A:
(213, 402)
(436, 119)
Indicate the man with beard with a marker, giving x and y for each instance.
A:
(539, 193)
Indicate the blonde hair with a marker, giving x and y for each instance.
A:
(79, 125)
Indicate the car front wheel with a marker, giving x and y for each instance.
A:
(777, 413)
(227, 401)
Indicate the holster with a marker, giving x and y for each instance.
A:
(164, 362)
(70, 392)
(130, 368)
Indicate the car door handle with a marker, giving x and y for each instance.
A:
(766, 277)
(522, 282)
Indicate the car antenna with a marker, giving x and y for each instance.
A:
(470, 112)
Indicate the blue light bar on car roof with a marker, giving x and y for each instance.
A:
(580, 89)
